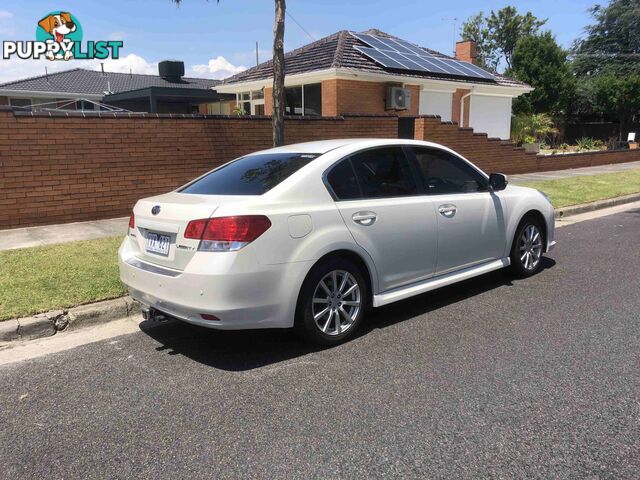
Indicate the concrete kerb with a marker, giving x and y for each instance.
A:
(597, 205)
(48, 324)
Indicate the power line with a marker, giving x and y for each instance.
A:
(301, 27)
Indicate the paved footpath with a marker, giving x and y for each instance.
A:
(69, 232)
(491, 378)
(573, 172)
(65, 232)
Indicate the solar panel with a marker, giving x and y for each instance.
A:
(401, 55)
(382, 58)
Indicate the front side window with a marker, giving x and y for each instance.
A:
(384, 172)
(444, 173)
(250, 175)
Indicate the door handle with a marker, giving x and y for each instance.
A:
(364, 218)
(447, 210)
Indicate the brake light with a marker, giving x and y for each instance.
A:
(195, 229)
(132, 222)
(224, 234)
(236, 229)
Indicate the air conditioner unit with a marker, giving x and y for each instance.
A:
(398, 98)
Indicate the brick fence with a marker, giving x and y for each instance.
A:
(68, 168)
(73, 167)
(495, 155)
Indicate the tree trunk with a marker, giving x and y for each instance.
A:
(278, 75)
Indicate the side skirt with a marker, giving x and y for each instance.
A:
(437, 282)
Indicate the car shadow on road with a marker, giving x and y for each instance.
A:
(250, 349)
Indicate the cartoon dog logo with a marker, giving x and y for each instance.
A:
(58, 26)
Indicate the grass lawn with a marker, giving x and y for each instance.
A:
(588, 188)
(40, 279)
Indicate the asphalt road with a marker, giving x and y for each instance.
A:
(491, 378)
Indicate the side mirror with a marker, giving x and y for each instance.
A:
(498, 181)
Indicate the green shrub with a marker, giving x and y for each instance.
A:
(585, 143)
(532, 128)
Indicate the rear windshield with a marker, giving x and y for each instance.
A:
(250, 175)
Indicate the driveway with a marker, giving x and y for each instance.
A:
(489, 378)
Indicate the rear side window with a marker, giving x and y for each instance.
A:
(342, 180)
(444, 173)
(384, 172)
(250, 175)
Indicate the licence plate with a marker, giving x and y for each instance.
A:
(157, 243)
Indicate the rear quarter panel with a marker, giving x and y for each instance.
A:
(303, 194)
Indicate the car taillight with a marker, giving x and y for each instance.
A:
(225, 234)
(195, 229)
(132, 222)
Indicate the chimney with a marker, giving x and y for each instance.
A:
(466, 51)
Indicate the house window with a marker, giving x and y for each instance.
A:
(303, 100)
(252, 103)
(313, 99)
(44, 103)
(219, 108)
(20, 102)
(293, 101)
(85, 105)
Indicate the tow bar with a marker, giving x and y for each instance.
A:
(153, 315)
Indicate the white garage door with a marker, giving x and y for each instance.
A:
(436, 103)
(491, 115)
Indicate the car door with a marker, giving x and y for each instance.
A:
(470, 217)
(383, 205)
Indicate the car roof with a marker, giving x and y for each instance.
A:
(324, 146)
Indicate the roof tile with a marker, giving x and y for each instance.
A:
(337, 51)
(92, 82)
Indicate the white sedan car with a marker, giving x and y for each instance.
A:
(312, 235)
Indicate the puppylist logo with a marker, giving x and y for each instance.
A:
(59, 37)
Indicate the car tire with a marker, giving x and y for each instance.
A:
(527, 248)
(323, 312)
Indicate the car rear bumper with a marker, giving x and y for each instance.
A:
(259, 296)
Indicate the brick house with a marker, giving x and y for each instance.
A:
(341, 74)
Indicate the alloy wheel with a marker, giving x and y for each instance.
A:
(336, 302)
(530, 247)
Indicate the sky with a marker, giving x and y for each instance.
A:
(216, 40)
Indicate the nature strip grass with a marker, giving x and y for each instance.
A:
(588, 188)
(39, 279)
